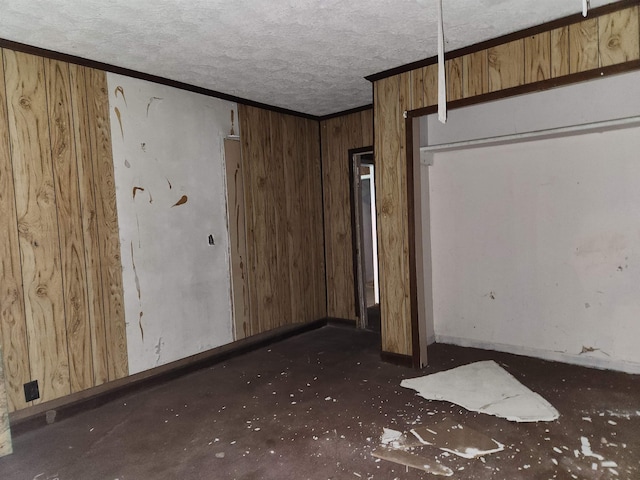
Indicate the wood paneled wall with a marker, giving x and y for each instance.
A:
(281, 164)
(338, 136)
(61, 315)
(602, 41)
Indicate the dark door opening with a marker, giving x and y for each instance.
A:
(365, 243)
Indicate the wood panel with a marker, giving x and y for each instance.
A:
(583, 46)
(506, 65)
(107, 216)
(237, 235)
(13, 329)
(454, 78)
(395, 325)
(618, 39)
(91, 236)
(418, 97)
(537, 57)
(338, 136)
(69, 218)
(6, 446)
(337, 215)
(430, 79)
(475, 76)
(280, 155)
(37, 223)
(299, 284)
(316, 216)
(559, 52)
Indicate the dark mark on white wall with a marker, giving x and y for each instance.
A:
(135, 190)
(591, 350)
(126, 163)
(121, 90)
(143, 146)
(170, 187)
(151, 100)
(119, 121)
(182, 201)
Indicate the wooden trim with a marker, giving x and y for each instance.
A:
(28, 419)
(346, 112)
(532, 87)
(520, 34)
(397, 359)
(64, 57)
(411, 224)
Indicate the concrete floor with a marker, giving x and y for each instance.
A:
(314, 406)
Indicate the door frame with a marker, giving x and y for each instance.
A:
(356, 237)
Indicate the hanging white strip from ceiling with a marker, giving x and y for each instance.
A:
(442, 86)
(585, 7)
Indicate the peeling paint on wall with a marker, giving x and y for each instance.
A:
(186, 281)
(182, 201)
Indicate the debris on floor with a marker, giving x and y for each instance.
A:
(485, 387)
(446, 435)
(454, 438)
(413, 460)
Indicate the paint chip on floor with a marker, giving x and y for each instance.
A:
(484, 387)
(454, 438)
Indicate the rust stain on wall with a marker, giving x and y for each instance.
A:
(121, 91)
(182, 201)
(135, 190)
(117, 110)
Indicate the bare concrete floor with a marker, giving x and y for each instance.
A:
(314, 406)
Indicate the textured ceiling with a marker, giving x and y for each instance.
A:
(304, 55)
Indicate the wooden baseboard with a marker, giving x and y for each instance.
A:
(36, 416)
(397, 359)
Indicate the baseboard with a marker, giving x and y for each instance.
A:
(33, 417)
(341, 322)
(397, 359)
(573, 359)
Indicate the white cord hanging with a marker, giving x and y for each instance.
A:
(585, 7)
(442, 86)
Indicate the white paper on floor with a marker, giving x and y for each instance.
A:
(487, 388)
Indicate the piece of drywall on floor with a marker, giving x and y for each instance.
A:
(536, 247)
(170, 189)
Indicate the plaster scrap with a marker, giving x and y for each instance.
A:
(119, 121)
(120, 90)
(389, 436)
(591, 350)
(454, 438)
(586, 449)
(484, 387)
(182, 201)
(412, 460)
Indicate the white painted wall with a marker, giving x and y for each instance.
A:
(535, 245)
(170, 143)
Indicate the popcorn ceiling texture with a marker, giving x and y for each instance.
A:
(305, 55)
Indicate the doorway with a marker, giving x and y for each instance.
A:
(365, 243)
